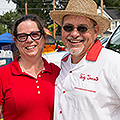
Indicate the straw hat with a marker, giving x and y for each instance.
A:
(87, 8)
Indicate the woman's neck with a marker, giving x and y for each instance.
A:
(32, 67)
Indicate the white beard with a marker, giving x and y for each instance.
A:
(77, 51)
(74, 49)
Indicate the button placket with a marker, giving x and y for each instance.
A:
(38, 85)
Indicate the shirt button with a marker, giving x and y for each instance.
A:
(39, 75)
(38, 92)
(64, 91)
(70, 71)
(60, 112)
(37, 86)
(36, 81)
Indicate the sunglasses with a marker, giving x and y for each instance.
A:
(81, 29)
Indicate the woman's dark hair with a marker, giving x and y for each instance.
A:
(31, 17)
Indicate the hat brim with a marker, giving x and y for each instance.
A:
(103, 22)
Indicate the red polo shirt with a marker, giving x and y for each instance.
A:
(25, 98)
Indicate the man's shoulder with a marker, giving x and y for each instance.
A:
(110, 56)
(110, 53)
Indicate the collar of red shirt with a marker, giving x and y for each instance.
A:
(92, 54)
(16, 70)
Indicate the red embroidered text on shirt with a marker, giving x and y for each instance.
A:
(87, 77)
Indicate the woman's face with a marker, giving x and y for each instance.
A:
(29, 48)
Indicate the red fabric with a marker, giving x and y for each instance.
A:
(19, 93)
(94, 52)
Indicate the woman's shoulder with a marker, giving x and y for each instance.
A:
(6, 68)
(53, 66)
(55, 70)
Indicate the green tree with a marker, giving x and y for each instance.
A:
(2, 29)
(8, 19)
(109, 3)
(41, 8)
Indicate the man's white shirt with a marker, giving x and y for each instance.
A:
(91, 89)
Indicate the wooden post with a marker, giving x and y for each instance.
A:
(26, 8)
(101, 13)
(54, 21)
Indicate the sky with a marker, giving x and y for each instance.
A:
(6, 7)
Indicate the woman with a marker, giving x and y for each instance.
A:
(27, 83)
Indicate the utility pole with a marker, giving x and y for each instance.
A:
(101, 13)
(54, 21)
(26, 8)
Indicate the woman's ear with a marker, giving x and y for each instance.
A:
(15, 41)
(45, 38)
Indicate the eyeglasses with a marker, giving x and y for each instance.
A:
(81, 28)
(22, 37)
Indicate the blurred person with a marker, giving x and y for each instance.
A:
(88, 87)
(27, 83)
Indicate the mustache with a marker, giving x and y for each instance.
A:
(79, 39)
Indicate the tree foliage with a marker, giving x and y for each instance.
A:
(7, 20)
(109, 3)
(2, 29)
(42, 8)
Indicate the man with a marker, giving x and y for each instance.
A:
(88, 87)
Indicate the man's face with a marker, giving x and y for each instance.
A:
(77, 42)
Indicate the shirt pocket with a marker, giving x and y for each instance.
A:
(82, 96)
